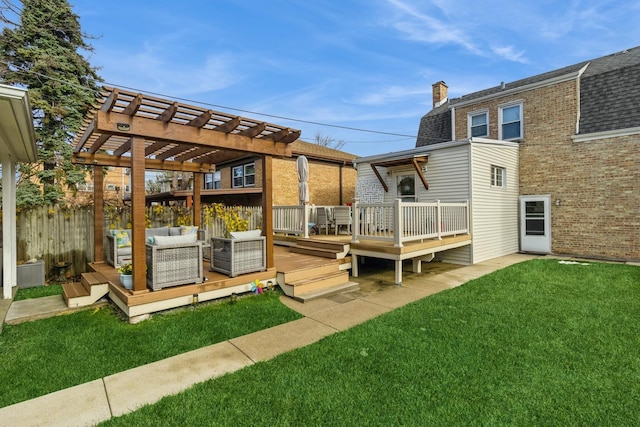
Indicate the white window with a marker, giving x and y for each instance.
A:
(498, 176)
(478, 124)
(510, 121)
(244, 176)
(111, 187)
(127, 189)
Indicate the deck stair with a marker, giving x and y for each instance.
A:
(90, 289)
(321, 248)
(321, 279)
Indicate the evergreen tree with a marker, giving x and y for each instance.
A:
(41, 49)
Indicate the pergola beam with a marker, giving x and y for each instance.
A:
(127, 126)
(125, 162)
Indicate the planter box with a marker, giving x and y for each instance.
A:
(31, 275)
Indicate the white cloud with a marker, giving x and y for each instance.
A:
(509, 53)
(422, 27)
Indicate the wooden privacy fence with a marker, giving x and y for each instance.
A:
(56, 234)
(65, 234)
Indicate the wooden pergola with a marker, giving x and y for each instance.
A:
(142, 132)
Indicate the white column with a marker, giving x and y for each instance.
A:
(9, 247)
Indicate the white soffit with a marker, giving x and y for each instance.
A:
(17, 136)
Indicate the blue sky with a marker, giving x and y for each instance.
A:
(343, 64)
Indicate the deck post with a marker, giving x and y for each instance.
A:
(439, 219)
(355, 217)
(398, 263)
(398, 224)
(305, 220)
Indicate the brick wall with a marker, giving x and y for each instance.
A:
(324, 183)
(596, 183)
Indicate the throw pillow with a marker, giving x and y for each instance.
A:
(122, 239)
(188, 229)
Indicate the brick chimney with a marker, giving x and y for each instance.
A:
(439, 93)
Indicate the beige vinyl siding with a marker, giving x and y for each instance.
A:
(447, 175)
(494, 219)
(448, 179)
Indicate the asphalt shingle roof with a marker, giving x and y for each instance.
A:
(609, 96)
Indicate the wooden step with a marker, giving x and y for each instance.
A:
(91, 288)
(324, 244)
(324, 253)
(93, 279)
(306, 286)
(310, 272)
(73, 290)
(327, 292)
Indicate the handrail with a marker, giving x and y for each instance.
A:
(415, 220)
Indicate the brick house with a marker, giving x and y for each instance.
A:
(578, 131)
(331, 179)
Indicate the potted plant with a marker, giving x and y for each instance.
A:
(126, 275)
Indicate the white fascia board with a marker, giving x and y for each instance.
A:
(605, 134)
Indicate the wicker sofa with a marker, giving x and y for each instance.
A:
(173, 261)
(244, 252)
(117, 249)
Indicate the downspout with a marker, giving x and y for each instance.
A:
(453, 123)
(340, 179)
(582, 70)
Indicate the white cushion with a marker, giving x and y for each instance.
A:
(251, 234)
(174, 240)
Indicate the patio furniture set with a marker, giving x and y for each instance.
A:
(334, 217)
(175, 255)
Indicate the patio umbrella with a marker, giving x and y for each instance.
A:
(302, 166)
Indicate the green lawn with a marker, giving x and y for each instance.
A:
(537, 343)
(52, 354)
(37, 292)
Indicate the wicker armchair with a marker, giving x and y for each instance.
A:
(238, 255)
(174, 264)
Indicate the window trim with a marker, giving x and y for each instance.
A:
(501, 122)
(494, 177)
(470, 126)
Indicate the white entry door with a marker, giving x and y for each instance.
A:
(535, 224)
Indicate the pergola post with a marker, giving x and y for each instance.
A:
(197, 204)
(267, 207)
(138, 225)
(98, 214)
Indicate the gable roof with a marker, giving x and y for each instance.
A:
(609, 90)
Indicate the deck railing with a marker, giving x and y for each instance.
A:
(379, 221)
(400, 222)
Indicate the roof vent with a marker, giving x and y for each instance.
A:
(502, 85)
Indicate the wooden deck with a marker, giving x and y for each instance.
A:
(217, 285)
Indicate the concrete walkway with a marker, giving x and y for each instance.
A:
(97, 401)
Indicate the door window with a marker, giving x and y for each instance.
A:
(406, 187)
